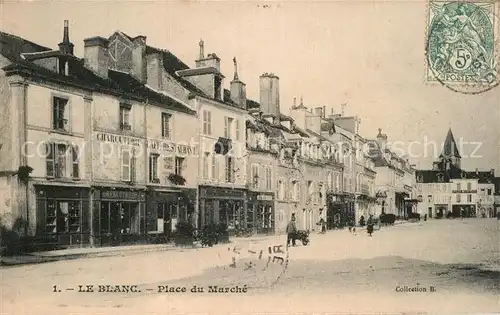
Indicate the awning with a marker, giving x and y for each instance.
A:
(223, 146)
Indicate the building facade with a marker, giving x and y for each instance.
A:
(448, 190)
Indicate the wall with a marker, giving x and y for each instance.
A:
(5, 123)
(108, 140)
(207, 142)
(184, 132)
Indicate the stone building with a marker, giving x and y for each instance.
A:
(109, 164)
(447, 189)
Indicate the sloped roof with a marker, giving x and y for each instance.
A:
(376, 154)
(450, 147)
(12, 46)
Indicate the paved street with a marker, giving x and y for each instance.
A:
(336, 272)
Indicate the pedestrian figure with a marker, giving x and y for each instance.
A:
(291, 231)
(425, 217)
(322, 224)
(369, 225)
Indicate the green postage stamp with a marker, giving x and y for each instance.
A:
(462, 39)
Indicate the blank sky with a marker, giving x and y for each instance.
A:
(369, 54)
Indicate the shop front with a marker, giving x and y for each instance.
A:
(164, 209)
(464, 211)
(260, 215)
(221, 205)
(340, 210)
(63, 215)
(119, 216)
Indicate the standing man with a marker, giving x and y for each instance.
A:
(291, 231)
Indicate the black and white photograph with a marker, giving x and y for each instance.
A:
(249, 157)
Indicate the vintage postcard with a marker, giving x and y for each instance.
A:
(249, 157)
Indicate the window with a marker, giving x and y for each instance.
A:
(125, 117)
(126, 165)
(269, 178)
(75, 162)
(281, 190)
(153, 168)
(165, 125)
(237, 127)
(60, 114)
(228, 127)
(469, 198)
(207, 122)
(458, 198)
(489, 191)
(229, 169)
(296, 191)
(63, 216)
(459, 186)
(179, 164)
(469, 186)
(206, 157)
(255, 176)
(218, 88)
(59, 164)
(215, 168)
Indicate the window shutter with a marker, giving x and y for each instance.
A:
(76, 162)
(237, 122)
(50, 161)
(132, 166)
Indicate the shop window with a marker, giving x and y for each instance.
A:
(120, 218)
(179, 165)
(63, 216)
(60, 114)
(125, 117)
(153, 168)
(166, 124)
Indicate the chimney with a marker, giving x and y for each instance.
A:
(319, 111)
(294, 103)
(269, 94)
(211, 60)
(139, 62)
(96, 55)
(238, 88)
(324, 112)
(154, 70)
(66, 47)
(381, 139)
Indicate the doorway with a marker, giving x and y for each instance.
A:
(165, 213)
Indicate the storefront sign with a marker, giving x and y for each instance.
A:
(265, 197)
(167, 146)
(111, 138)
(215, 192)
(122, 195)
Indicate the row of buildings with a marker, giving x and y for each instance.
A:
(117, 147)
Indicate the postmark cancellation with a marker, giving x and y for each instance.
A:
(462, 40)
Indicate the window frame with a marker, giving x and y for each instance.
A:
(166, 125)
(66, 113)
(179, 165)
(122, 109)
(128, 165)
(153, 168)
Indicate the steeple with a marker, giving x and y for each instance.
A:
(66, 47)
(450, 150)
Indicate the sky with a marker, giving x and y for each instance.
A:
(367, 54)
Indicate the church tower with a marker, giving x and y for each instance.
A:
(450, 151)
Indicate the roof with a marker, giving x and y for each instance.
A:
(450, 147)
(128, 83)
(452, 172)
(12, 46)
(117, 83)
(252, 104)
(328, 126)
(376, 155)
